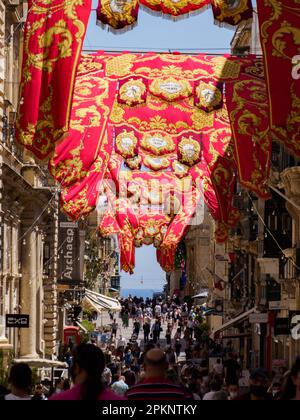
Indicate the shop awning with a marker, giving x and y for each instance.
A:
(100, 303)
(234, 321)
(40, 363)
(202, 295)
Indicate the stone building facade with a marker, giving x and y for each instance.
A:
(28, 216)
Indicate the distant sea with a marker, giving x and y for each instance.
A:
(144, 293)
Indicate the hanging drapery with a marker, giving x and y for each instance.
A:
(53, 39)
(154, 133)
(248, 107)
(118, 14)
(175, 8)
(121, 15)
(280, 38)
(232, 12)
(80, 160)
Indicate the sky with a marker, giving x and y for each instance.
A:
(154, 33)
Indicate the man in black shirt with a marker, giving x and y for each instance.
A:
(232, 369)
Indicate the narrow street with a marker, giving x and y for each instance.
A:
(128, 332)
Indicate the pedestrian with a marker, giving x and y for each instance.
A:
(177, 348)
(218, 368)
(231, 369)
(39, 394)
(20, 380)
(259, 384)
(191, 327)
(157, 311)
(126, 319)
(275, 388)
(233, 390)
(87, 369)
(180, 324)
(168, 334)
(114, 328)
(177, 334)
(130, 376)
(136, 327)
(155, 385)
(187, 336)
(215, 386)
(146, 328)
(291, 387)
(155, 331)
(121, 342)
(128, 358)
(136, 352)
(120, 387)
(170, 355)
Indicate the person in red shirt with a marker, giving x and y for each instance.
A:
(155, 385)
(87, 368)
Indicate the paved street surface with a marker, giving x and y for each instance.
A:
(127, 333)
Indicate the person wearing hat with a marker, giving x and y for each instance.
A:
(259, 384)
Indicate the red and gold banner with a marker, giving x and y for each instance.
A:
(81, 159)
(175, 8)
(247, 104)
(53, 39)
(166, 259)
(190, 152)
(118, 14)
(232, 12)
(279, 30)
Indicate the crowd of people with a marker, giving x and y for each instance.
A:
(168, 357)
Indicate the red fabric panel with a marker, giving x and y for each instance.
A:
(279, 30)
(247, 104)
(172, 8)
(53, 39)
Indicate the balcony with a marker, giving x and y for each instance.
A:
(288, 266)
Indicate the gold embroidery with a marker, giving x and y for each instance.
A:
(180, 169)
(126, 143)
(232, 9)
(209, 96)
(132, 92)
(69, 169)
(171, 89)
(157, 143)
(80, 205)
(117, 113)
(120, 66)
(118, 12)
(190, 150)
(134, 163)
(156, 163)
